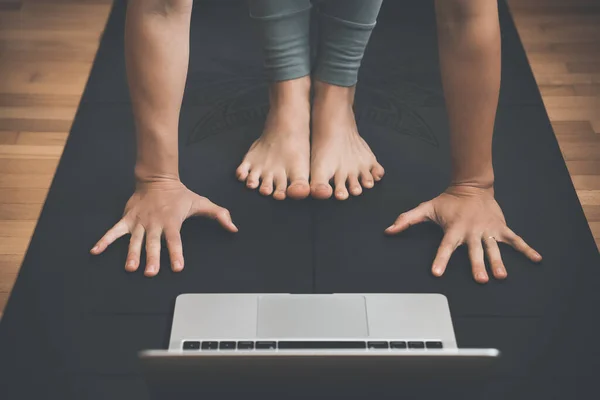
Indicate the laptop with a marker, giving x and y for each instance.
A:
(265, 340)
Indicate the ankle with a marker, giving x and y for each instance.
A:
(326, 92)
(295, 92)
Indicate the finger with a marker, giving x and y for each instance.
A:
(477, 262)
(341, 193)
(206, 208)
(173, 239)
(519, 244)
(415, 216)
(135, 249)
(252, 181)
(109, 237)
(353, 186)
(449, 243)
(495, 259)
(266, 188)
(152, 252)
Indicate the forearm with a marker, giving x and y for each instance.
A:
(469, 47)
(157, 53)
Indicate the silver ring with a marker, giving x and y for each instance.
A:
(490, 237)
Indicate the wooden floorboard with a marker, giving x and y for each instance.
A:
(48, 46)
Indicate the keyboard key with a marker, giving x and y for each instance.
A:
(245, 345)
(398, 345)
(377, 345)
(210, 345)
(434, 345)
(416, 345)
(266, 345)
(227, 346)
(320, 345)
(191, 345)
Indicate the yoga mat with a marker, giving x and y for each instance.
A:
(74, 323)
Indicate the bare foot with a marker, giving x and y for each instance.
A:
(282, 153)
(338, 152)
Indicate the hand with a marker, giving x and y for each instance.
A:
(157, 209)
(468, 215)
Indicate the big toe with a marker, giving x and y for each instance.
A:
(321, 190)
(298, 189)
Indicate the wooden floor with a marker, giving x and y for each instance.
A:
(47, 48)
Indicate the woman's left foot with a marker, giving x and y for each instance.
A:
(338, 152)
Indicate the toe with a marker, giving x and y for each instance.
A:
(321, 190)
(319, 185)
(266, 188)
(353, 185)
(299, 187)
(377, 171)
(253, 177)
(367, 179)
(242, 171)
(280, 186)
(341, 193)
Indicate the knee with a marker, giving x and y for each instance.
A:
(163, 7)
(473, 23)
(461, 11)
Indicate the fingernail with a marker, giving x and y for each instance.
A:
(481, 276)
(178, 266)
(130, 263)
(94, 249)
(233, 226)
(436, 271)
(389, 227)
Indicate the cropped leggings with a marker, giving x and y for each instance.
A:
(344, 30)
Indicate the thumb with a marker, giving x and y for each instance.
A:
(413, 217)
(206, 208)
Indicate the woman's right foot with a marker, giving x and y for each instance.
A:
(282, 153)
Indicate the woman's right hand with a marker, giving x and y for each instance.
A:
(158, 209)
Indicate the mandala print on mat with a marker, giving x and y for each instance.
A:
(237, 98)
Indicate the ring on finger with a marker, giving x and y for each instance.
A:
(486, 239)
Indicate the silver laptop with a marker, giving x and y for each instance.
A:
(220, 338)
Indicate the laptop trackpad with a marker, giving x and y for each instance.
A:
(315, 316)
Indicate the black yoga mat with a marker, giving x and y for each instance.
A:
(74, 323)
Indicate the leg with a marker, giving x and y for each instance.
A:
(338, 152)
(282, 153)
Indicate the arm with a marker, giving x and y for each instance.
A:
(469, 47)
(157, 52)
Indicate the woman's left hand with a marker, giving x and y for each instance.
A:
(468, 215)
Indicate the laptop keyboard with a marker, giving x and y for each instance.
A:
(309, 345)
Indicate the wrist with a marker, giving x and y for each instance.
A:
(483, 184)
(482, 180)
(144, 174)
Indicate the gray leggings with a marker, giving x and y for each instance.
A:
(344, 28)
